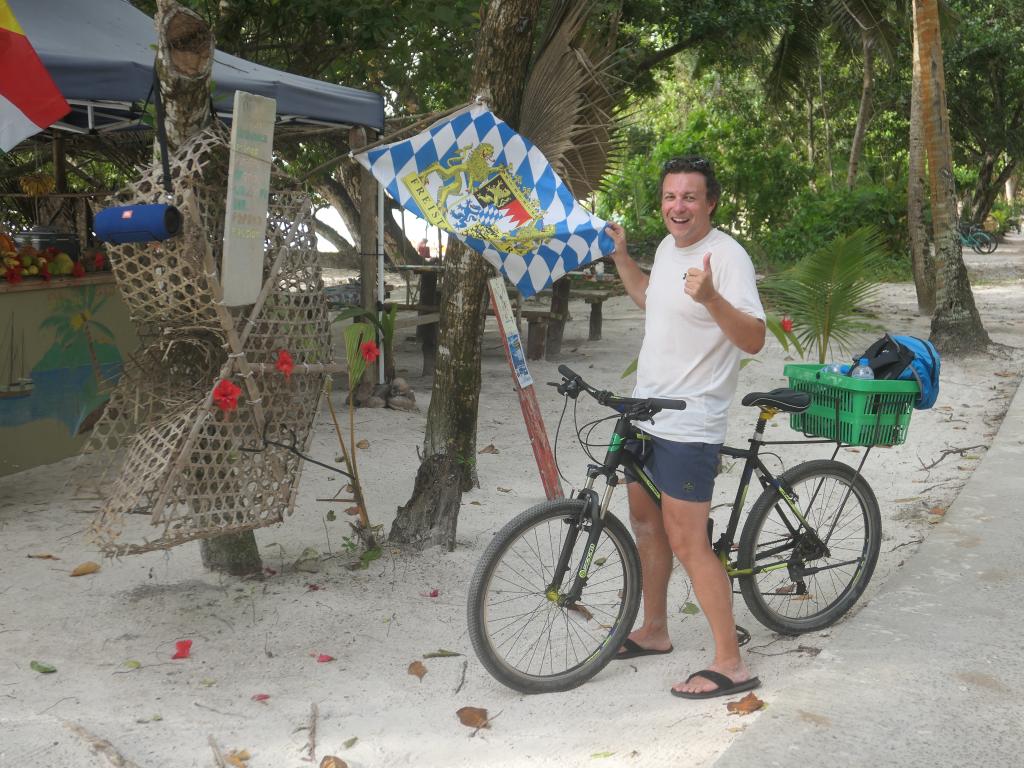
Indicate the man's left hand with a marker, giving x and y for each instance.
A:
(699, 284)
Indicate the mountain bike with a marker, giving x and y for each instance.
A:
(978, 239)
(558, 588)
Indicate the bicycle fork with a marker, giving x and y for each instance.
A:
(593, 512)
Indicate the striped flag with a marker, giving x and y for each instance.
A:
(29, 100)
(473, 176)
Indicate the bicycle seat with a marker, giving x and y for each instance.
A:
(788, 400)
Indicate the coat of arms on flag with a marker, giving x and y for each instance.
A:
(472, 175)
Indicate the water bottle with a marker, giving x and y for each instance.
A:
(862, 370)
(835, 368)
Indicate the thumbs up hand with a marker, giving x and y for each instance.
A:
(699, 284)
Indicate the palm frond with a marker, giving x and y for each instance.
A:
(795, 52)
(570, 99)
(825, 291)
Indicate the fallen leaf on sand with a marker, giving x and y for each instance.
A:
(238, 758)
(473, 717)
(746, 705)
(86, 568)
(363, 444)
(46, 556)
(260, 696)
(504, 490)
(936, 511)
(330, 761)
(417, 668)
(352, 511)
(42, 667)
(489, 448)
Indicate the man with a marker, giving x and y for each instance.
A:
(702, 310)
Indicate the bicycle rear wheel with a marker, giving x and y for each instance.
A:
(805, 577)
(986, 242)
(520, 633)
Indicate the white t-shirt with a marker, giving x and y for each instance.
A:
(684, 353)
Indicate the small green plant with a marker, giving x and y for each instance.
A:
(825, 291)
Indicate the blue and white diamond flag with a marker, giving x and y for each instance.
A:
(473, 176)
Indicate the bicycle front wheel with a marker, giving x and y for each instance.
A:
(520, 633)
(805, 574)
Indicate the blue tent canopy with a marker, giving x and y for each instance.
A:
(100, 53)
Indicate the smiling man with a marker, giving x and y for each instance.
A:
(702, 311)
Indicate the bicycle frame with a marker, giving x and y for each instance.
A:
(616, 457)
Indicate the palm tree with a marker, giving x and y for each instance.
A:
(76, 317)
(956, 324)
(864, 25)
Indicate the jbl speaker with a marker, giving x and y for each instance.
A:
(137, 223)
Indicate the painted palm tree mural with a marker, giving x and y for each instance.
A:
(82, 363)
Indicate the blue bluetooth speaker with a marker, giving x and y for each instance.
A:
(137, 223)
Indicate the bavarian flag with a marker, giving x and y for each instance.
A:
(473, 176)
(29, 101)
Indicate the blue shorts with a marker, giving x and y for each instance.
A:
(684, 471)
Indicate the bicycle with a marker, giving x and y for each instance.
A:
(558, 589)
(978, 239)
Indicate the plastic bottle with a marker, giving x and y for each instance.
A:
(862, 370)
(836, 368)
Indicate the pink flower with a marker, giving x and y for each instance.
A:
(225, 395)
(323, 658)
(787, 323)
(260, 696)
(369, 350)
(285, 364)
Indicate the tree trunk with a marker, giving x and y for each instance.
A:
(864, 115)
(956, 324)
(987, 188)
(346, 257)
(184, 62)
(343, 193)
(922, 265)
(448, 468)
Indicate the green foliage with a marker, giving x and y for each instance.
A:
(818, 218)
(356, 334)
(824, 292)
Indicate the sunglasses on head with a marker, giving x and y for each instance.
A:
(683, 164)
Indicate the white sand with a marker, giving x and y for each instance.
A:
(263, 636)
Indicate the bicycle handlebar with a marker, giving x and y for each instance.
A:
(572, 384)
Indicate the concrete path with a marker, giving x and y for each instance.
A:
(931, 672)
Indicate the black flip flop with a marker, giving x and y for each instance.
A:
(725, 687)
(634, 649)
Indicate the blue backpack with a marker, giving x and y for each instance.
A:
(908, 358)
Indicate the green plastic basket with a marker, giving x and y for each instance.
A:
(852, 411)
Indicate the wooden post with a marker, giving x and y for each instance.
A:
(523, 382)
(595, 319)
(367, 237)
(560, 308)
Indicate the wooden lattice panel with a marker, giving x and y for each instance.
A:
(193, 470)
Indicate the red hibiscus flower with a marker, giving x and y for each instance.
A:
(369, 350)
(78, 270)
(225, 395)
(99, 260)
(787, 323)
(12, 275)
(285, 364)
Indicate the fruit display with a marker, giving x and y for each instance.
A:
(25, 262)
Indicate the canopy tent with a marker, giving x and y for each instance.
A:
(100, 53)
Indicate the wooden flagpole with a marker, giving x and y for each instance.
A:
(515, 354)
